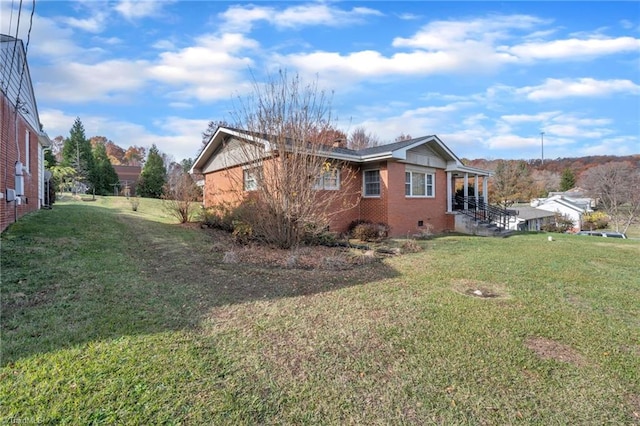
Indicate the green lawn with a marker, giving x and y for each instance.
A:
(111, 316)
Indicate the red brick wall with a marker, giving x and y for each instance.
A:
(10, 212)
(392, 207)
(221, 187)
(406, 212)
(375, 209)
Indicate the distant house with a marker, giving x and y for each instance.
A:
(528, 218)
(576, 195)
(571, 208)
(128, 180)
(22, 141)
(408, 185)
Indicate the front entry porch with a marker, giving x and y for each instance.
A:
(466, 199)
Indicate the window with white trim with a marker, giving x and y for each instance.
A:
(371, 183)
(250, 179)
(419, 184)
(328, 180)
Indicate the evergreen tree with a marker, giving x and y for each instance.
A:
(153, 176)
(105, 174)
(568, 180)
(76, 153)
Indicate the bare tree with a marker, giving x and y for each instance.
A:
(180, 193)
(360, 139)
(512, 182)
(287, 167)
(402, 137)
(615, 187)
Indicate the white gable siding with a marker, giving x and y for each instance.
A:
(572, 213)
(15, 81)
(231, 153)
(424, 156)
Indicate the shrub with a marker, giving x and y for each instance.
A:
(355, 223)
(595, 220)
(562, 223)
(318, 235)
(411, 246)
(242, 232)
(367, 231)
(220, 216)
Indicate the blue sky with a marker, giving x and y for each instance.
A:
(486, 77)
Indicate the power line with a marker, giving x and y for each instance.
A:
(26, 49)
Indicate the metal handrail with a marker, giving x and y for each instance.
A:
(481, 211)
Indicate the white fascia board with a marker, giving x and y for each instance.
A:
(44, 140)
(467, 169)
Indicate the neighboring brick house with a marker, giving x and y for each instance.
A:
(128, 179)
(22, 141)
(408, 185)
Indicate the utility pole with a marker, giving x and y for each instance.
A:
(542, 146)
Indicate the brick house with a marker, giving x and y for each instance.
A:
(128, 177)
(408, 185)
(22, 141)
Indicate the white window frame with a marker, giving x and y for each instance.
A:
(429, 187)
(250, 179)
(326, 181)
(364, 184)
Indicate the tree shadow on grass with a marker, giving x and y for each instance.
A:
(80, 273)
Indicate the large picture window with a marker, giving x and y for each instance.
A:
(329, 180)
(419, 184)
(371, 179)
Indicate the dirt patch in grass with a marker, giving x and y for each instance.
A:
(480, 289)
(550, 349)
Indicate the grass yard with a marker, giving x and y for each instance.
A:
(111, 316)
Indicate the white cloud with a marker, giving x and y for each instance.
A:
(408, 16)
(164, 45)
(111, 41)
(439, 47)
(619, 145)
(101, 82)
(137, 9)
(92, 24)
(574, 48)
(242, 18)
(580, 87)
(452, 35)
(208, 70)
(540, 117)
(511, 141)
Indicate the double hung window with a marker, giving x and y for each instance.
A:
(371, 179)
